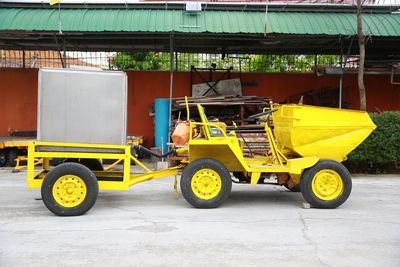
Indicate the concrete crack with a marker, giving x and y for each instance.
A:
(306, 237)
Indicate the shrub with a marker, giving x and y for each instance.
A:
(379, 152)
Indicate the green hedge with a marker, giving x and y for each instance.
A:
(379, 152)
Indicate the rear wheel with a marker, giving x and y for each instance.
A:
(70, 189)
(326, 185)
(206, 183)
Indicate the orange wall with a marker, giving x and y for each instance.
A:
(18, 91)
(18, 94)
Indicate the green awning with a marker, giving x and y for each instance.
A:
(217, 28)
(227, 22)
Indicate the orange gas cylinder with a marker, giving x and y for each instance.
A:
(181, 133)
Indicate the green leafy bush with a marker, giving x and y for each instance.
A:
(379, 152)
(140, 61)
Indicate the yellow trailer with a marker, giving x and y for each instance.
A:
(71, 188)
(307, 145)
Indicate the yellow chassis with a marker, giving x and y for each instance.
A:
(108, 180)
(22, 143)
(229, 151)
(18, 142)
(226, 148)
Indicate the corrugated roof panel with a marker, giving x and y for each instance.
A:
(151, 20)
(215, 20)
(375, 25)
(369, 26)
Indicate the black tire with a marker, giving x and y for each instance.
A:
(241, 176)
(3, 158)
(11, 157)
(307, 180)
(56, 161)
(295, 188)
(76, 169)
(92, 164)
(188, 174)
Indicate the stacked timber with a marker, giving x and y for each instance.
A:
(227, 108)
(226, 100)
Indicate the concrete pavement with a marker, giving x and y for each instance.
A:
(150, 226)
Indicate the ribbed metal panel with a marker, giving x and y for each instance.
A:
(153, 20)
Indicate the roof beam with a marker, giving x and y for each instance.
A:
(209, 6)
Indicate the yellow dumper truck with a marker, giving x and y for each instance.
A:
(307, 144)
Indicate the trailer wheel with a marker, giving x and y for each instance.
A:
(56, 161)
(326, 185)
(11, 157)
(206, 183)
(92, 164)
(70, 189)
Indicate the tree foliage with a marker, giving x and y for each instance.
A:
(290, 63)
(379, 152)
(140, 61)
(248, 63)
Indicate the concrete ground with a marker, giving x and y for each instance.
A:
(150, 226)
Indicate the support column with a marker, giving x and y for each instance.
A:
(171, 80)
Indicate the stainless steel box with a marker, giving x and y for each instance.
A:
(80, 106)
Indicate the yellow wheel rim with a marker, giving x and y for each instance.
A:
(327, 184)
(69, 191)
(206, 184)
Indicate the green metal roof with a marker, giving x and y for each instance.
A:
(228, 22)
(232, 31)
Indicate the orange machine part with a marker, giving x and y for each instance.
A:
(181, 133)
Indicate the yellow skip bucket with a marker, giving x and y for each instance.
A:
(319, 131)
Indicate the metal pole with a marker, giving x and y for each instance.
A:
(340, 91)
(176, 61)
(23, 58)
(341, 76)
(59, 52)
(59, 18)
(171, 80)
(64, 54)
(315, 63)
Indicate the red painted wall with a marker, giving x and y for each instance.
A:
(18, 92)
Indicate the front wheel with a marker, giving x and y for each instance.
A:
(206, 183)
(70, 189)
(326, 185)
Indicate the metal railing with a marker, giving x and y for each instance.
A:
(161, 61)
